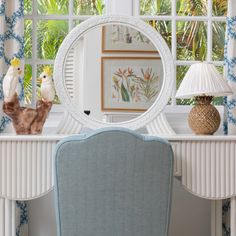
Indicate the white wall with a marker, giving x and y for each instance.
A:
(189, 215)
(42, 220)
(92, 73)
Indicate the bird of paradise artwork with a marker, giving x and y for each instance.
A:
(129, 86)
(130, 83)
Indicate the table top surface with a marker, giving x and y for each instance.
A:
(176, 137)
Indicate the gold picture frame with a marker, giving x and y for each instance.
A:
(130, 84)
(123, 39)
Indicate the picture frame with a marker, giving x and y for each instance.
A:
(130, 84)
(123, 39)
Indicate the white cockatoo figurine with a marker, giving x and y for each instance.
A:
(10, 81)
(47, 86)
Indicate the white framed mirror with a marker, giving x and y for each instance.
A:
(114, 65)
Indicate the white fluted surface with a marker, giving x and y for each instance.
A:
(208, 168)
(207, 165)
(69, 125)
(160, 126)
(176, 146)
(26, 168)
(7, 217)
(69, 73)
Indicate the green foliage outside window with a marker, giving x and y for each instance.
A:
(191, 36)
(155, 7)
(51, 33)
(88, 7)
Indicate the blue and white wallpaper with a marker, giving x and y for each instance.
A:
(12, 44)
(230, 101)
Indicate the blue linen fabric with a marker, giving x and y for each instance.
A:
(113, 182)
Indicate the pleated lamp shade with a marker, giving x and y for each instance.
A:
(203, 79)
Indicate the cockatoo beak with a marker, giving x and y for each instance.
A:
(39, 80)
(19, 72)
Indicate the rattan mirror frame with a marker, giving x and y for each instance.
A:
(157, 40)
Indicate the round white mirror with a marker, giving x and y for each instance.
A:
(114, 65)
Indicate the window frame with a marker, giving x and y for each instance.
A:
(173, 17)
(34, 61)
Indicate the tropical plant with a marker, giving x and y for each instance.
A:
(28, 84)
(219, 7)
(88, 7)
(51, 32)
(50, 7)
(155, 7)
(27, 39)
(27, 6)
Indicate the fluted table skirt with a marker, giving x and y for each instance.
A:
(206, 165)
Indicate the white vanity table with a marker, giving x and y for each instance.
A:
(206, 165)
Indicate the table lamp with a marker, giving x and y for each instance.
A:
(203, 82)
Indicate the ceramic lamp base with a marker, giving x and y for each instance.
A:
(204, 118)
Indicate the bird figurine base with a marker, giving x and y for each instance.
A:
(27, 120)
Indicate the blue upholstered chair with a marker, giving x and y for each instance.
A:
(113, 182)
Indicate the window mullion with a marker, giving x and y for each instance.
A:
(136, 7)
(57, 17)
(184, 18)
(209, 31)
(71, 12)
(108, 7)
(39, 61)
(173, 46)
(188, 63)
(34, 52)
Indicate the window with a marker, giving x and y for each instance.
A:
(193, 29)
(47, 22)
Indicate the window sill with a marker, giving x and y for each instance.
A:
(176, 115)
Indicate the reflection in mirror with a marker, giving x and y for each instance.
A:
(120, 38)
(113, 71)
(87, 112)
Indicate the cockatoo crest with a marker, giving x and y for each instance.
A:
(48, 71)
(47, 86)
(15, 62)
(10, 81)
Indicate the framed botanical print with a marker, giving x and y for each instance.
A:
(120, 38)
(130, 83)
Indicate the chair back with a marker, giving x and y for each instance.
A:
(113, 182)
